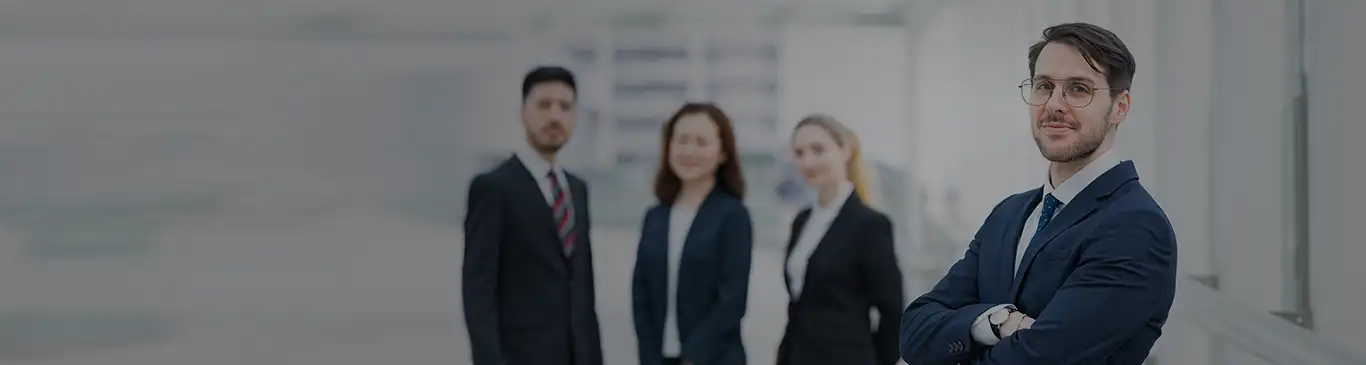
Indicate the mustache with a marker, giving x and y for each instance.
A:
(1056, 118)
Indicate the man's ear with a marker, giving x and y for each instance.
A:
(1121, 109)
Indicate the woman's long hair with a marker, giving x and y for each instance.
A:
(861, 174)
(730, 177)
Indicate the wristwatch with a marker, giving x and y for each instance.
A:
(999, 318)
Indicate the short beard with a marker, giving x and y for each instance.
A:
(1085, 147)
(544, 148)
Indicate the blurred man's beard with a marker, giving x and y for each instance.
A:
(544, 146)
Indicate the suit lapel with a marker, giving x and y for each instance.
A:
(703, 222)
(534, 201)
(1074, 212)
(578, 196)
(1010, 241)
(528, 183)
(798, 225)
(840, 227)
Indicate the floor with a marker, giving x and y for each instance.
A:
(358, 288)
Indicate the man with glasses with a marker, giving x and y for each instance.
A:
(1081, 270)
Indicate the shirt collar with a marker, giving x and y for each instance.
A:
(538, 166)
(845, 190)
(1069, 189)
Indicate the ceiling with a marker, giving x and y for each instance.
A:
(412, 18)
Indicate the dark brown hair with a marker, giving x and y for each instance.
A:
(1101, 48)
(546, 75)
(728, 176)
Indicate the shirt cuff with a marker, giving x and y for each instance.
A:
(981, 327)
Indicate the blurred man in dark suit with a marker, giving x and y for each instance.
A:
(528, 270)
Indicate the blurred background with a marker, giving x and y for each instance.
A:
(216, 182)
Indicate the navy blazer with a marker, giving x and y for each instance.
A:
(713, 282)
(1099, 280)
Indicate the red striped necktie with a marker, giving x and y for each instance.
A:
(563, 212)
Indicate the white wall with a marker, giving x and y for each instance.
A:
(260, 100)
(1336, 55)
(853, 74)
(1252, 98)
(1182, 92)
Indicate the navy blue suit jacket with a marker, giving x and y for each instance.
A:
(1099, 281)
(713, 283)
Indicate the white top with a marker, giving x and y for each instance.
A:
(1065, 192)
(540, 169)
(680, 222)
(810, 237)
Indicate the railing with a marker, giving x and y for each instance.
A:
(1262, 335)
(1229, 325)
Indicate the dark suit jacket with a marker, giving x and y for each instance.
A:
(1099, 281)
(713, 283)
(525, 302)
(853, 268)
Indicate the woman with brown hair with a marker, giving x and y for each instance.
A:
(840, 258)
(691, 275)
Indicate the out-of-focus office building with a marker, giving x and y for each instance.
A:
(267, 181)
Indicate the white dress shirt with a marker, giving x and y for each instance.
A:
(1065, 192)
(817, 224)
(540, 169)
(680, 222)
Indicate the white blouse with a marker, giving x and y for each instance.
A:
(680, 221)
(810, 237)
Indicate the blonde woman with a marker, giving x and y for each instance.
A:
(840, 258)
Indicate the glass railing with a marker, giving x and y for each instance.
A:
(1207, 328)
(1204, 328)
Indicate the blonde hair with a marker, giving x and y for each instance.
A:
(861, 174)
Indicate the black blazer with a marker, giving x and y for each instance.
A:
(853, 268)
(713, 283)
(525, 302)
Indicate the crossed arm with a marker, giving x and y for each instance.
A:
(1125, 276)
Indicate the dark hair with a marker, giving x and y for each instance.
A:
(548, 74)
(1101, 48)
(728, 176)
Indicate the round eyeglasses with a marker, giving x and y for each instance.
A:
(1077, 94)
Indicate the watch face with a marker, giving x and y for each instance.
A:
(999, 317)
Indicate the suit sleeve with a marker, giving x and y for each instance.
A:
(884, 278)
(640, 304)
(936, 327)
(592, 284)
(483, 235)
(737, 235)
(1127, 274)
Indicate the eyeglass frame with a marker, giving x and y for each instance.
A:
(1064, 91)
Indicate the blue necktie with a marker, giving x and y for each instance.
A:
(1050, 206)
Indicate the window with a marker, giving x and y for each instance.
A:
(635, 158)
(639, 124)
(670, 91)
(717, 52)
(650, 54)
(583, 56)
(732, 86)
(588, 115)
